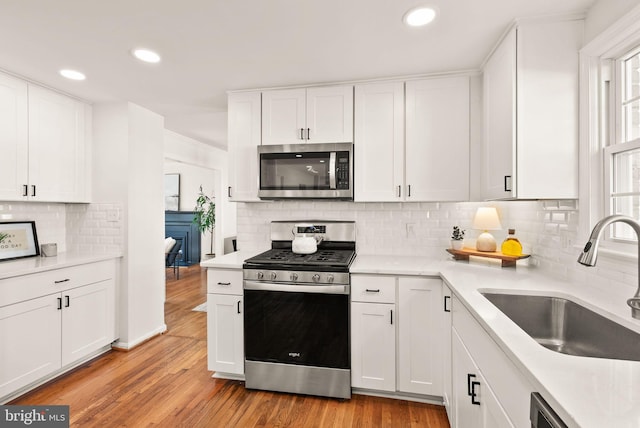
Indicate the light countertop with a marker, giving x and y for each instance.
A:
(585, 392)
(29, 265)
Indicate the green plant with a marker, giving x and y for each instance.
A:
(458, 234)
(205, 214)
(3, 236)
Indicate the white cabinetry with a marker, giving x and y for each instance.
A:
(244, 139)
(43, 332)
(397, 334)
(446, 358)
(225, 335)
(531, 113)
(500, 389)
(411, 160)
(312, 115)
(44, 138)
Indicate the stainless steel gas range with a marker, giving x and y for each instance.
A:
(296, 312)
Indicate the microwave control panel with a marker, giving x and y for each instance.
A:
(342, 170)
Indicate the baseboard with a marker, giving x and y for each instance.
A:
(429, 399)
(127, 346)
(230, 376)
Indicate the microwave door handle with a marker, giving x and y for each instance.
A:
(332, 170)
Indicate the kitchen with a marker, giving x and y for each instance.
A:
(551, 229)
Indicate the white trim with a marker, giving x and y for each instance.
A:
(619, 37)
(127, 346)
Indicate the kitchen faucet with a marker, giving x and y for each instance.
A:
(590, 253)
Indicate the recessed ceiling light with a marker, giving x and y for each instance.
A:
(72, 74)
(419, 16)
(146, 55)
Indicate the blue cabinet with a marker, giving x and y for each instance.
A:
(180, 226)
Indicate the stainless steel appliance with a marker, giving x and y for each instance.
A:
(306, 171)
(542, 415)
(296, 313)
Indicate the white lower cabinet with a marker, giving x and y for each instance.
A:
(396, 334)
(225, 322)
(43, 333)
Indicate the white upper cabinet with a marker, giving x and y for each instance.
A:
(531, 113)
(379, 137)
(437, 140)
(59, 128)
(244, 139)
(308, 115)
(423, 157)
(14, 143)
(45, 143)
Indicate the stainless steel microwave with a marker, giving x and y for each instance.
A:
(306, 171)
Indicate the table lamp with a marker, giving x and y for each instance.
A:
(486, 219)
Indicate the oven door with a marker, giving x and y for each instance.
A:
(306, 326)
(306, 171)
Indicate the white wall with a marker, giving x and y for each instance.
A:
(128, 171)
(178, 148)
(603, 13)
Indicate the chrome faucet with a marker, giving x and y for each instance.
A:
(590, 253)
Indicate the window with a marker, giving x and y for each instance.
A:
(622, 156)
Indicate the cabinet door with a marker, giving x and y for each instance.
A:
(283, 116)
(57, 147)
(30, 337)
(88, 320)
(373, 346)
(244, 139)
(13, 138)
(329, 115)
(225, 335)
(437, 140)
(446, 358)
(474, 403)
(421, 336)
(499, 82)
(379, 141)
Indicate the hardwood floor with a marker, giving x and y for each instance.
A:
(165, 383)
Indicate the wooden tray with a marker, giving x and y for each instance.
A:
(507, 261)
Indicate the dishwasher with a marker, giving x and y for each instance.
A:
(542, 415)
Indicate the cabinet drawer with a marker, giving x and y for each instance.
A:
(373, 288)
(224, 281)
(25, 287)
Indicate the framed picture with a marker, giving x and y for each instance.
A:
(18, 239)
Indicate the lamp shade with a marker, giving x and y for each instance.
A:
(487, 219)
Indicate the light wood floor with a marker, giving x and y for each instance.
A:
(165, 383)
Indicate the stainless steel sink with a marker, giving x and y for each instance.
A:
(567, 327)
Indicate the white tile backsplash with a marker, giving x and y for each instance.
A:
(49, 218)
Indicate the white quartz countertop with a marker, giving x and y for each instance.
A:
(29, 265)
(585, 392)
(230, 261)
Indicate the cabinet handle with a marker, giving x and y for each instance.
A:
(409, 191)
(25, 190)
(239, 301)
(391, 312)
(507, 183)
(399, 191)
(33, 190)
(302, 133)
(473, 393)
(308, 133)
(61, 281)
(67, 302)
(229, 191)
(224, 284)
(446, 299)
(469, 377)
(59, 303)
(368, 290)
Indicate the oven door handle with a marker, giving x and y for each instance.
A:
(292, 288)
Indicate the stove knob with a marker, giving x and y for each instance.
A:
(294, 277)
(273, 276)
(329, 278)
(316, 277)
(260, 275)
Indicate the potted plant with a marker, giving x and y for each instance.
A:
(457, 238)
(205, 217)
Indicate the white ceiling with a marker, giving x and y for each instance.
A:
(211, 46)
